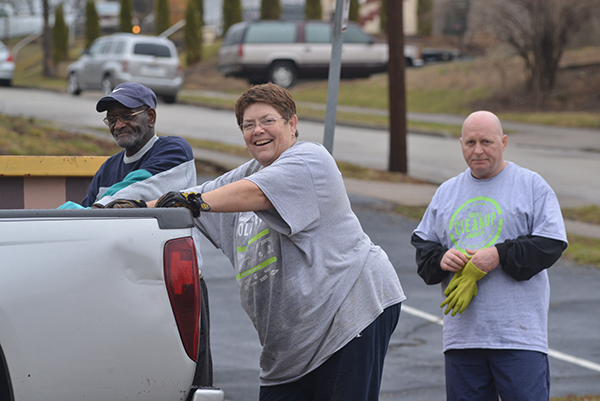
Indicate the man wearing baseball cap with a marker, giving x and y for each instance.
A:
(148, 163)
(147, 167)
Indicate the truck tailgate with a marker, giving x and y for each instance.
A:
(84, 311)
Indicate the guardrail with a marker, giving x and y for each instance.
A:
(45, 182)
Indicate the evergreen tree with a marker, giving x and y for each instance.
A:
(125, 24)
(270, 9)
(354, 10)
(383, 17)
(163, 16)
(425, 17)
(92, 23)
(312, 9)
(200, 11)
(192, 35)
(232, 13)
(60, 37)
(47, 70)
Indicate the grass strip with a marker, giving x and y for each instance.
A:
(588, 214)
(583, 250)
(26, 136)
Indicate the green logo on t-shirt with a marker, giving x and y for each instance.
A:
(477, 223)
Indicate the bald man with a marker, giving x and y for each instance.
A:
(488, 236)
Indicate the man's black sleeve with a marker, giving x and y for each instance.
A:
(429, 257)
(526, 256)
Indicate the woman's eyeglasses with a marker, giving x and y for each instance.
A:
(266, 122)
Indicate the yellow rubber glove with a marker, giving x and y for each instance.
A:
(456, 279)
(462, 288)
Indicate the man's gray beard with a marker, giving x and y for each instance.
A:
(127, 141)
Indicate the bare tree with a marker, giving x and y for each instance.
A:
(270, 9)
(313, 10)
(162, 20)
(21, 4)
(539, 31)
(232, 13)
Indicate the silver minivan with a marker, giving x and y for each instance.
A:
(7, 66)
(282, 51)
(125, 57)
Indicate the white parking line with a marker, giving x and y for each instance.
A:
(423, 315)
(574, 360)
(555, 354)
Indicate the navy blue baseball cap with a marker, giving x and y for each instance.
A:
(129, 94)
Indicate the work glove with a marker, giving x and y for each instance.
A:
(124, 204)
(191, 200)
(462, 288)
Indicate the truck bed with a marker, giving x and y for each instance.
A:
(84, 308)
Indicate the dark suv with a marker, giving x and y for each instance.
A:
(282, 51)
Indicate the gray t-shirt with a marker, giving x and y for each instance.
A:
(310, 279)
(466, 212)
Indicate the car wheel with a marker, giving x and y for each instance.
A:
(73, 85)
(283, 73)
(107, 85)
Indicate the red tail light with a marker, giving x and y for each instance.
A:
(125, 66)
(10, 57)
(183, 286)
(241, 50)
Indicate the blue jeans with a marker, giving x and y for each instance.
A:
(352, 373)
(485, 374)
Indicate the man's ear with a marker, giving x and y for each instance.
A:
(151, 117)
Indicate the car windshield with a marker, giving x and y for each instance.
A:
(152, 49)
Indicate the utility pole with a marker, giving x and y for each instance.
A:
(340, 19)
(398, 160)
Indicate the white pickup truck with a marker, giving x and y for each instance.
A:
(99, 305)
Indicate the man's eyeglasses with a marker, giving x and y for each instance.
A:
(266, 122)
(125, 118)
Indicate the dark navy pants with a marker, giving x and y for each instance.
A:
(486, 374)
(353, 373)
